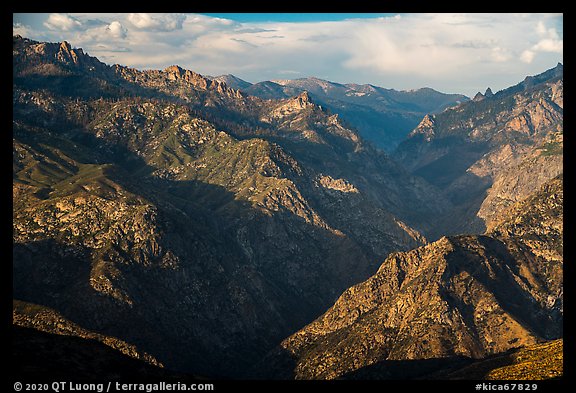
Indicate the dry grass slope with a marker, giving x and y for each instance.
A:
(543, 361)
(534, 362)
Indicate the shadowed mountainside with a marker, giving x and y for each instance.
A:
(171, 218)
(459, 298)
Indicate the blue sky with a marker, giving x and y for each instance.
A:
(453, 53)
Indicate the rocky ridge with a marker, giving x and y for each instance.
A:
(382, 116)
(463, 297)
(491, 153)
(206, 217)
(224, 222)
(44, 319)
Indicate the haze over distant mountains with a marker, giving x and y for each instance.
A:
(382, 116)
(253, 232)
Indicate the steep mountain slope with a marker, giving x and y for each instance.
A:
(433, 307)
(32, 316)
(206, 247)
(36, 355)
(182, 221)
(297, 124)
(215, 222)
(382, 116)
(232, 81)
(488, 154)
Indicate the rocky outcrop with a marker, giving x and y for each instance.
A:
(382, 116)
(487, 154)
(232, 81)
(156, 199)
(52, 54)
(291, 106)
(459, 297)
(425, 128)
(175, 73)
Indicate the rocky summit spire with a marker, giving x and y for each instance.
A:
(478, 97)
(488, 93)
(66, 54)
(302, 100)
(304, 97)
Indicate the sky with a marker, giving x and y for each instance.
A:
(452, 53)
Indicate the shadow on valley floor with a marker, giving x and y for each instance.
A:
(38, 355)
(407, 369)
(453, 368)
(280, 365)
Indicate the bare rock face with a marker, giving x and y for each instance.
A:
(176, 73)
(491, 152)
(425, 128)
(458, 297)
(219, 223)
(159, 199)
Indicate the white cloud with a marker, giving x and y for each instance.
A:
(549, 45)
(115, 29)
(63, 22)
(450, 52)
(157, 22)
(527, 56)
(548, 41)
(500, 55)
(21, 29)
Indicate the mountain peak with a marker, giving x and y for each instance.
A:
(65, 45)
(175, 69)
(304, 97)
(547, 75)
(426, 127)
(175, 72)
(478, 97)
(302, 101)
(232, 81)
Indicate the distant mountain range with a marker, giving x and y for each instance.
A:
(164, 218)
(382, 116)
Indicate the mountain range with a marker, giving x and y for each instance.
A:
(205, 225)
(381, 116)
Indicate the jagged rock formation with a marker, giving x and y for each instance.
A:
(382, 116)
(487, 94)
(464, 297)
(232, 81)
(216, 222)
(219, 223)
(491, 152)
